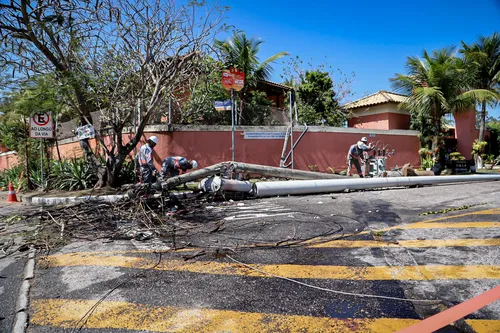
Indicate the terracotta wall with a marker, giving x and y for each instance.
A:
(322, 148)
(399, 121)
(465, 131)
(376, 121)
(8, 160)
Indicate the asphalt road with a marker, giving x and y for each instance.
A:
(344, 262)
(12, 262)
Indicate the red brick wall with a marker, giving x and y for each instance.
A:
(324, 149)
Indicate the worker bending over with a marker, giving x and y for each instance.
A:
(172, 166)
(354, 156)
(145, 160)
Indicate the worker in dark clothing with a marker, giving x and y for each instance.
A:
(173, 165)
(145, 160)
(354, 156)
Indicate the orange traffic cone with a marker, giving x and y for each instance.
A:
(12, 194)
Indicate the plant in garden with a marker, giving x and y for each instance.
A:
(456, 156)
(478, 146)
(13, 175)
(427, 162)
(73, 175)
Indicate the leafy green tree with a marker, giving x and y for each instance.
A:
(40, 94)
(485, 88)
(241, 52)
(257, 107)
(316, 100)
(114, 56)
(203, 90)
(320, 91)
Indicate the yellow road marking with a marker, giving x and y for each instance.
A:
(431, 225)
(425, 272)
(439, 225)
(493, 211)
(408, 243)
(67, 313)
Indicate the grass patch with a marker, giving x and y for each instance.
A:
(454, 209)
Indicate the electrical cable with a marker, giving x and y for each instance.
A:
(334, 291)
(83, 320)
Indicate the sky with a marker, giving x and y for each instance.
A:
(370, 38)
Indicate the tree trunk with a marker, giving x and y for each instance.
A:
(113, 171)
(57, 149)
(92, 159)
(482, 122)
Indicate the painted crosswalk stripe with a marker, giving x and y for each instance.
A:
(408, 243)
(424, 272)
(66, 313)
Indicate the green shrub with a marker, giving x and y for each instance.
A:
(478, 146)
(12, 175)
(456, 156)
(127, 173)
(427, 162)
(72, 175)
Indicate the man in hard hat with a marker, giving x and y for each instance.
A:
(354, 156)
(145, 160)
(173, 165)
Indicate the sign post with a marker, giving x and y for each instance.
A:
(234, 80)
(42, 127)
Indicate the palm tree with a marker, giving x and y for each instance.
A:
(435, 84)
(484, 56)
(239, 51)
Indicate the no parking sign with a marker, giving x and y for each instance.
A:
(41, 126)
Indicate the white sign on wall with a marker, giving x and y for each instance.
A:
(41, 126)
(85, 132)
(264, 135)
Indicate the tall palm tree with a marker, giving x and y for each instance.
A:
(241, 52)
(484, 55)
(435, 84)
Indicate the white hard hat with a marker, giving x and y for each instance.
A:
(194, 164)
(153, 139)
(361, 145)
(364, 139)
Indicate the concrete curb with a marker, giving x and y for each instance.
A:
(52, 201)
(21, 321)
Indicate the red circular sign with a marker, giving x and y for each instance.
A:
(41, 119)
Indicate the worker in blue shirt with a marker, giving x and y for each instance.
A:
(173, 165)
(145, 160)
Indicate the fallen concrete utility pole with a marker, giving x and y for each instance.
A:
(264, 170)
(270, 171)
(194, 175)
(216, 184)
(297, 187)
